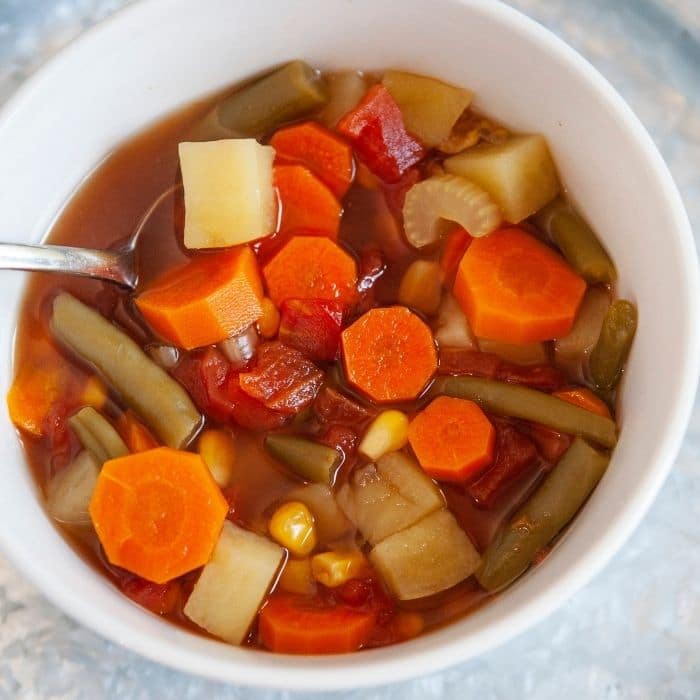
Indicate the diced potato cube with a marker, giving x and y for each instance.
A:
(421, 286)
(69, 492)
(519, 174)
(388, 496)
(229, 194)
(430, 108)
(517, 353)
(233, 585)
(218, 450)
(452, 328)
(331, 523)
(426, 558)
(388, 432)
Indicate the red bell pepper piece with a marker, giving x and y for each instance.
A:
(312, 326)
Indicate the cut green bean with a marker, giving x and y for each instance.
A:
(550, 508)
(289, 93)
(152, 393)
(577, 242)
(528, 404)
(310, 460)
(610, 352)
(97, 435)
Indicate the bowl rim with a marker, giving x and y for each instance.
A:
(404, 661)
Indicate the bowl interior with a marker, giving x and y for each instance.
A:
(150, 59)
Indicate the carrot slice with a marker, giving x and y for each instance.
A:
(452, 438)
(311, 267)
(293, 624)
(584, 398)
(456, 244)
(158, 513)
(326, 155)
(515, 289)
(389, 354)
(306, 202)
(136, 435)
(208, 299)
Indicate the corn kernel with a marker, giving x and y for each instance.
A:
(296, 577)
(218, 450)
(335, 568)
(269, 322)
(388, 432)
(421, 286)
(293, 526)
(408, 625)
(94, 393)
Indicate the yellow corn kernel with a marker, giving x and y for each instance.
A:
(269, 322)
(218, 450)
(421, 286)
(408, 624)
(94, 393)
(332, 569)
(293, 526)
(296, 577)
(388, 432)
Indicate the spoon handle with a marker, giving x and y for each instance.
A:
(102, 264)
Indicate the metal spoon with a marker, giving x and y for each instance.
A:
(117, 265)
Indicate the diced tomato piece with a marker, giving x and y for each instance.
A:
(159, 598)
(550, 443)
(333, 407)
(371, 268)
(377, 132)
(312, 326)
(355, 592)
(249, 412)
(395, 193)
(456, 244)
(341, 438)
(284, 379)
(471, 363)
(541, 377)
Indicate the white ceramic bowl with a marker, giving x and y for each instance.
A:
(160, 54)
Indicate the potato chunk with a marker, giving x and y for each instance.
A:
(426, 558)
(388, 496)
(229, 194)
(519, 174)
(70, 490)
(233, 585)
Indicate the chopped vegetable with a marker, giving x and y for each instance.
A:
(296, 577)
(293, 526)
(142, 384)
(577, 242)
(551, 443)
(383, 498)
(610, 352)
(301, 625)
(218, 450)
(452, 327)
(269, 322)
(456, 243)
(421, 287)
(159, 598)
(452, 439)
(519, 174)
(311, 267)
(547, 511)
(234, 583)
(326, 155)
(165, 356)
(307, 203)
(308, 459)
(240, 349)
(388, 432)
(345, 90)
(518, 353)
(333, 569)
(134, 433)
(377, 132)
(286, 94)
(528, 404)
(469, 130)
(69, 491)
(207, 300)
(584, 398)
(97, 435)
(229, 195)
(431, 556)
(312, 326)
(94, 393)
(517, 290)
(332, 407)
(158, 514)
(283, 379)
(389, 354)
(447, 198)
(541, 377)
(331, 523)
(430, 108)
(467, 362)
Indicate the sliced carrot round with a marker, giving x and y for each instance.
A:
(452, 439)
(311, 267)
(389, 354)
(517, 290)
(157, 513)
(584, 398)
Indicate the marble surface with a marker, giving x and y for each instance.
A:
(634, 633)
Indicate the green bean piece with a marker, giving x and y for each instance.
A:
(288, 93)
(577, 242)
(146, 388)
(97, 435)
(529, 404)
(310, 460)
(614, 342)
(549, 509)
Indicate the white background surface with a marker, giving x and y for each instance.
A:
(635, 631)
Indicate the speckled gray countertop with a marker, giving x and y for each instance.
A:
(635, 631)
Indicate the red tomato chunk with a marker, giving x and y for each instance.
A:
(312, 326)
